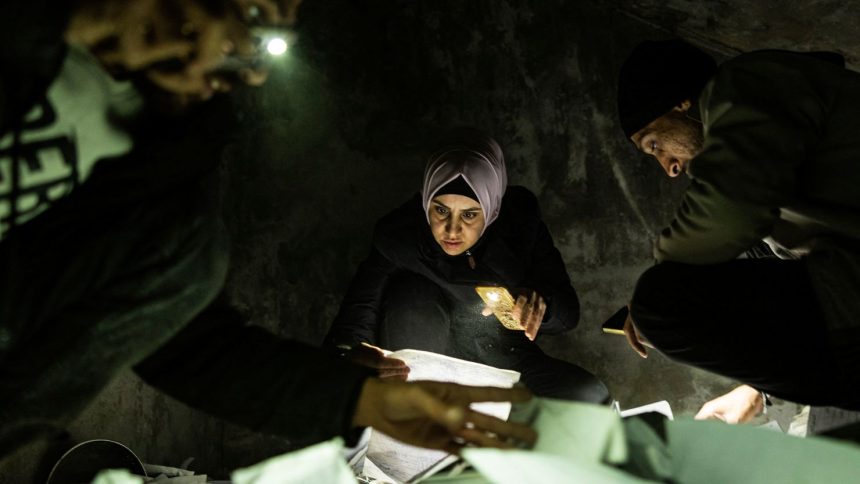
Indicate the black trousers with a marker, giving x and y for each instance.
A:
(753, 320)
(85, 294)
(418, 315)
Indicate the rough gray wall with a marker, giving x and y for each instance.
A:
(733, 26)
(339, 136)
(346, 133)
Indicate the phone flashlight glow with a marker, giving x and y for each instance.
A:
(493, 296)
(276, 46)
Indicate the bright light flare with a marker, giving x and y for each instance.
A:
(276, 46)
(493, 296)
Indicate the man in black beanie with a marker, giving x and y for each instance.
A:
(769, 142)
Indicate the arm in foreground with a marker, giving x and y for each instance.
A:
(357, 320)
(251, 377)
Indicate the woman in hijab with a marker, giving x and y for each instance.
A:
(466, 228)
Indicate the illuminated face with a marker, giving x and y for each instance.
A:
(456, 222)
(674, 139)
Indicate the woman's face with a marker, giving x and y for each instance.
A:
(456, 222)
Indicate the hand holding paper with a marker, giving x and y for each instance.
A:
(436, 415)
(373, 357)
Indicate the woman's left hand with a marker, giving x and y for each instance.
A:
(529, 309)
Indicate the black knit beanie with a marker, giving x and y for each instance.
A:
(657, 76)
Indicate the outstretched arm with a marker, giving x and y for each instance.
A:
(358, 318)
(437, 415)
(249, 376)
(548, 277)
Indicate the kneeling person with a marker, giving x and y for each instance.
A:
(467, 229)
(769, 143)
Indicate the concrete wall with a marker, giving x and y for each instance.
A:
(339, 136)
(347, 129)
(343, 134)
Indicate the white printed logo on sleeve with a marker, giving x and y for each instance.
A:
(62, 138)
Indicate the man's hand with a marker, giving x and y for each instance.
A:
(528, 310)
(437, 415)
(738, 406)
(373, 357)
(177, 44)
(634, 339)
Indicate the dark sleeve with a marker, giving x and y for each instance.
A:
(359, 313)
(547, 273)
(31, 36)
(548, 276)
(249, 376)
(762, 115)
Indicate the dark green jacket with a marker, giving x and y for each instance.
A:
(781, 160)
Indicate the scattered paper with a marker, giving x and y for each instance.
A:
(405, 463)
(318, 463)
(117, 476)
(524, 467)
(585, 432)
(707, 452)
(661, 407)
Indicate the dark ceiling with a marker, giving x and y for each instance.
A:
(732, 26)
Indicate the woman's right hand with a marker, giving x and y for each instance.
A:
(529, 310)
(373, 357)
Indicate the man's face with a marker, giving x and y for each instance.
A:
(674, 139)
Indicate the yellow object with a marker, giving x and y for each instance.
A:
(502, 303)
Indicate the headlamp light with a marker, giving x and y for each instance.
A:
(267, 45)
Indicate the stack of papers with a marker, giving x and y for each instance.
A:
(389, 460)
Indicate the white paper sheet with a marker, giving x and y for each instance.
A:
(523, 467)
(403, 462)
(318, 463)
(661, 407)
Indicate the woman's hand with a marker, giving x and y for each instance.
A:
(373, 357)
(529, 309)
(436, 415)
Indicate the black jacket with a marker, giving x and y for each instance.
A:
(217, 363)
(516, 251)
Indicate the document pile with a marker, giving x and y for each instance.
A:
(387, 460)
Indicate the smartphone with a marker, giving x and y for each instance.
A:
(615, 324)
(501, 302)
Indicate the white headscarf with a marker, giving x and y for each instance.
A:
(476, 157)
